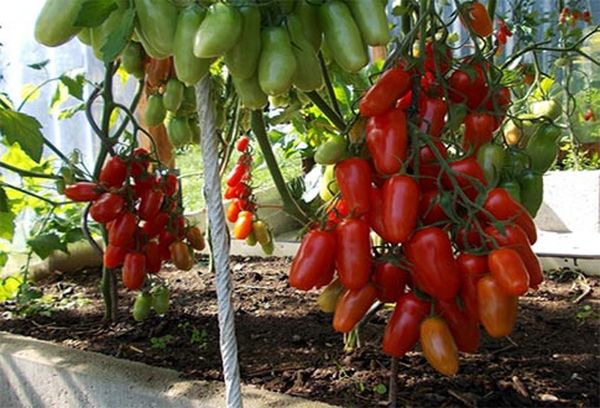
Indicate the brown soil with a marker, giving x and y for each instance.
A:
(287, 345)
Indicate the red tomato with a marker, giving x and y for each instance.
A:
(237, 174)
(508, 269)
(404, 102)
(352, 307)
(468, 85)
(353, 253)
(437, 57)
(497, 309)
(432, 114)
(150, 204)
(243, 225)
(376, 213)
(134, 270)
(122, 230)
(499, 102)
(241, 190)
(82, 191)
(107, 207)
(390, 281)
(438, 346)
(469, 177)
(500, 204)
(165, 239)
(391, 85)
(400, 207)
(233, 210)
(479, 129)
(181, 256)
(114, 256)
(387, 140)
(195, 238)
(153, 259)
(113, 173)
(315, 257)
(402, 330)
(155, 225)
(430, 210)
(477, 19)
(468, 237)
(464, 330)
(354, 180)
(242, 143)
(429, 167)
(471, 268)
(178, 226)
(337, 212)
(140, 162)
(170, 184)
(433, 267)
(514, 237)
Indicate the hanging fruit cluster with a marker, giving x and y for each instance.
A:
(241, 210)
(415, 217)
(143, 216)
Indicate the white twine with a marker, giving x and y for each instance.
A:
(219, 239)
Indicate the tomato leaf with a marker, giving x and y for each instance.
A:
(118, 39)
(44, 245)
(74, 85)
(23, 129)
(7, 225)
(39, 65)
(4, 205)
(94, 12)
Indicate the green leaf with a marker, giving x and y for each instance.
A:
(380, 389)
(23, 129)
(44, 245)
(3, 258)
(69, 112)
(39, 65)
(94, 12)
(4, 205)
(74, 235)
(118, 39)
(74, 85)
(31, 92)
(7, 225)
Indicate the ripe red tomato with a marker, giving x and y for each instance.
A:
(155, 225)
(82, 191)
(400, 207)
(140, 162)
(438, 346)
(243, 225)
(336, 213)
(353, 253)
(150, 204)
(376, 213)
(468, 85)
(387, 140)
(500, 204)
(241, 190)
(354, 180)
(430, 210)
(170, 184)
(391, 85)
(433, 267)
(122, 230)
(113, 173)
(390, 281)
(402, 330)
(468, 237)
(114, 256)
(497, 309)
(233, 210)
(242, 143)
(237, 174)
(438, 56)
(471, 268)
(465, 331)
(153, 259)
(432, 114)
(479, 129)
(477, 19)
(134, 270)
(508, 269)
(314, 258)
(469, 176)
(352, 307)
(429, 168)
(107, 207)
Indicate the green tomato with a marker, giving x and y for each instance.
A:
(173, 95)
(491, 158)
(178, 129)
(371, 20)
(132, 59)
(269, 247)
(515, 162)
(157, 21)
(331, 151)
(189, 104)
(188, 67)
(548, 109)
(251, 239)
(329, 187)
(219, 31)
(309, 16)
(532, 191)
(543, 147)
(155, 111)
(514, 189)
(160, 299)
(141, 306)
(242, 59)
(55, 25)
(342, 36)
(261, 232)
(308, 76)
(277, 64)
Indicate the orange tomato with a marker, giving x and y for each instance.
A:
(243, 226)
(438, 346)
(497, 309)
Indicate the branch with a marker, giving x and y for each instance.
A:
(326, 109)
(28, 173)
(132, 108)
(34, 195)
(329, 85)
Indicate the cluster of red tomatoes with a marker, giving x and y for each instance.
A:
(414, 227)
(241, 210)
(142, 215)
(572, 16)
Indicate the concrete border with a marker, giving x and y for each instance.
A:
(35, 373)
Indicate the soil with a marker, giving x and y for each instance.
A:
(287, 345)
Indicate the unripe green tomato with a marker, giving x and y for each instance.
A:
(132, 59)
(371, 20)
(55, 25)
(160, 299)
(179, 131)
(251, 96)
(251, 239)
(219, 31)
(141, 306)
(532, 191)
(331, 151)
(188, 67)
(100, 34)
(548, 109)
(189, 104)
(155, 111)
(261, 232)
(157, 20)
(277, 64)
(242, 58)
(308, 11)
(173, 95)
(514, 189)
(308, 76)
(269, 247)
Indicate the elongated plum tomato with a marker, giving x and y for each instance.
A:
(464, 330)
(433, 267)
(153, 259)
(181, 256)
(508, 269)
(400, 207)
(471, 268)
(107, 207)
(390, 86)
(503, 207)
(316, 256)
(82, 191)
(134, 270)
(352, 306)
(438, 346)
(476, 17)
(353, 177)
(390, 281)
(243, 225)
(479, 129)
(402, 330)
(113, 173)
(432, 114)
(150, 204)
(469, 177)
(387, 140)
(497, 309)
(430, 210)
(114, 256)
(376, 213)
(353, 253)
(123, 229)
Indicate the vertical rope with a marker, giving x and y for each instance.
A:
(219, 244)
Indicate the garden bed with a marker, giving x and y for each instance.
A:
(287, 345)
